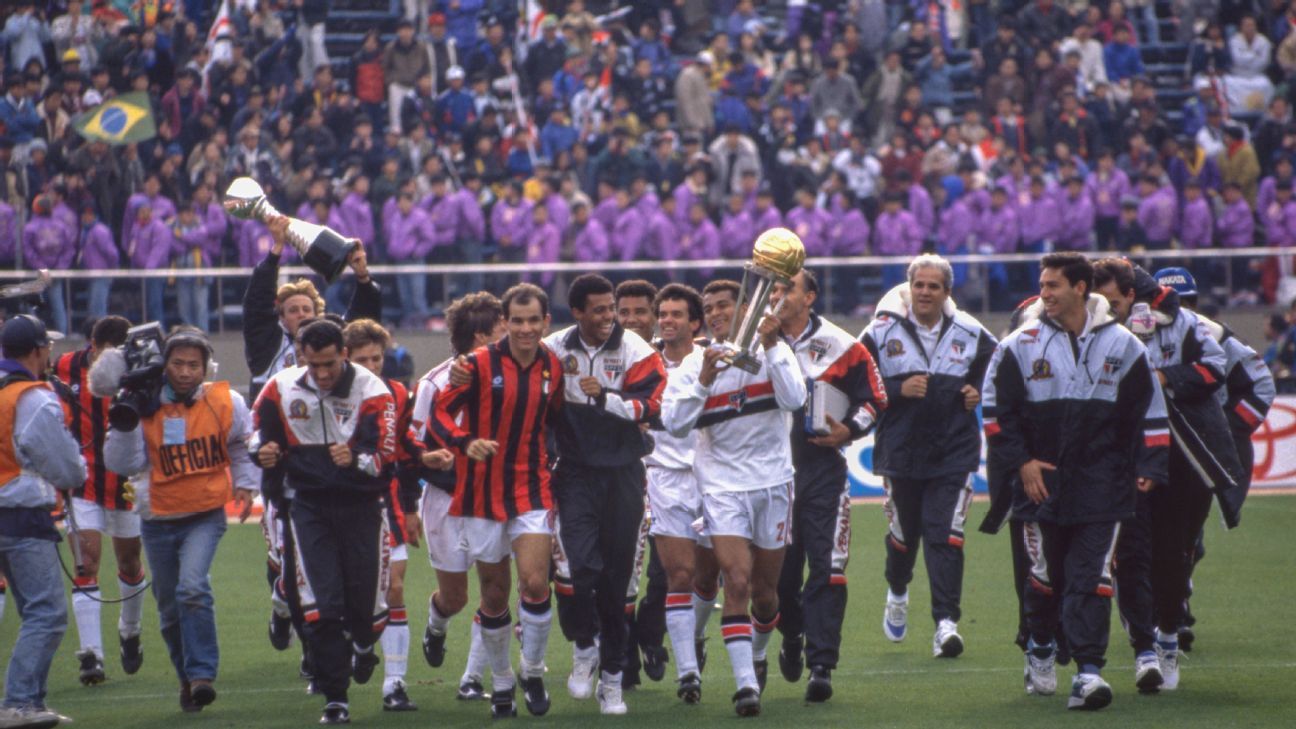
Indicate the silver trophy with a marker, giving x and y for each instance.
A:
(777, 258)
(321, 248)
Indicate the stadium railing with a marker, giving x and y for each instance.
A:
(847, 284)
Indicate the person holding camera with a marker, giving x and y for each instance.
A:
(190, 437)
(37, 455)
(328, 430)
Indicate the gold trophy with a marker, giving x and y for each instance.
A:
(323, 249)
(777, 257)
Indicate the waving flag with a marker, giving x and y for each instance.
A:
(120, 120)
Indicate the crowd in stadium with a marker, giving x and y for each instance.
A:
(665, 131)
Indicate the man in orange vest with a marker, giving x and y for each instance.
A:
(37, 455)
(192, 444)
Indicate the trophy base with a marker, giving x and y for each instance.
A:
(327, 255)
(743, 361)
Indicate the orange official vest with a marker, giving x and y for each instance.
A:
(9, 468)
(188, 453)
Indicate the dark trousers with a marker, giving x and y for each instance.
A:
(1021, 570)
(931, 512)
(646, 626)
(340, 550)
(1083, 601)
(1178, 512)
(1134, 577)
(599, 511)
(814, 605)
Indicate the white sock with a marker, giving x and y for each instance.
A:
(436, 621)
(610, 679)
(702, 609)
(395, 648)
(679, 625)
(496, 632)
(86, 605)
(737, 630)
(536, 618)
(478, 661)
(761, 632)
(132, 609)
(1163, 637)
(892, 597)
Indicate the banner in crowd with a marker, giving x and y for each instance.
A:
(120, 120)
(1274, 442)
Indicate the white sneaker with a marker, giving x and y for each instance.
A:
(580, 684)
(1030, 689)
(28, 718)
(895, 621)
(1167, 651)
(1147, 673)
(1041, 673)
(1089, 692)
(609, 699)
(947, 643)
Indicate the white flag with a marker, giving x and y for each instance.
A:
(219, 40)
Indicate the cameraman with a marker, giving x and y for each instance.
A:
(36, 456)
(191, 438)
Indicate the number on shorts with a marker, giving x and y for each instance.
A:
(781, 527)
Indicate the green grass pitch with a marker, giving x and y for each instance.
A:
(1241, 673)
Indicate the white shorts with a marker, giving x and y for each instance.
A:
(676, 502)
(442, 532)
(762, 516)
(92, 517)
(490, 541)
(399, 553)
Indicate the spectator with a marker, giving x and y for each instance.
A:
(544, 242)
(367, 75)
(24, 33)
(1196, 224)
(409, 241)
(461, 21)
(694, 107)
(1235, 226)
(546, 56)
(312, 14)
(1158, 212)
(1007, 84)
(1238, 163)
(838, 91)
(1209, 55)
(1251, 53)
(404, 60)
(1043, 23)
(1121, 58)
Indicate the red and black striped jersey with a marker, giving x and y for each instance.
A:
(514, 406)
(86, 417)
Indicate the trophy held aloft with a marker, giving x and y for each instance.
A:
(777, 257)
(321, 248)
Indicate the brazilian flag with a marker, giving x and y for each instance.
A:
(120, 120)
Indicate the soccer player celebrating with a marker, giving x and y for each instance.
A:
(821, 507)
(689, 566)
(612, 382)
(634, 311)
(933, 359)
(1072, 407)
(329, 430)
(101, 508)
(474, 321)
(366, 342)
(512, 398)
(744, 467)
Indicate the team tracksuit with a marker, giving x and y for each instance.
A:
(1090, 406)
(336, 514)
(821, 506)
(926, 448)
(599, 483)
